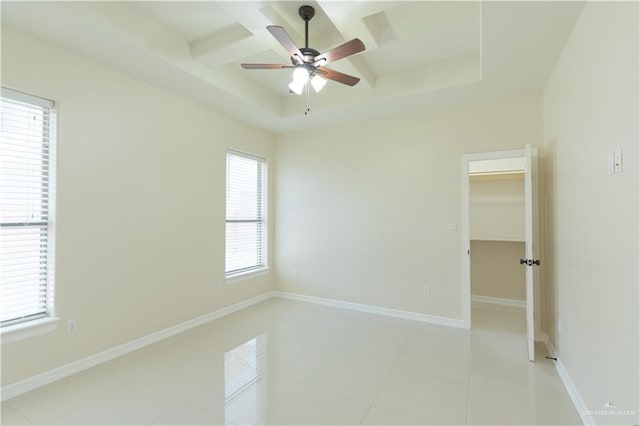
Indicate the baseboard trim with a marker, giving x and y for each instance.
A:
(489, 300)
(575, 396)
(413, 316)
(47, 377)
(66, 370)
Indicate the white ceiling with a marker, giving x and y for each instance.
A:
(418, 53)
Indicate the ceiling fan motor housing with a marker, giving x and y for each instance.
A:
(307, 55)
(306, 12)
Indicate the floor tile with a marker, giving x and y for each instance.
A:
(487, 407)
(431, 400)
(60, 398)
(11, 416)
(523, 379)
(303, 405)
(187, 414)
(378, 416)
(356, 378)
(134, 404)
(287, 362)
(422, 356)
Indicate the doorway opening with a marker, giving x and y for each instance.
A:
(497, 242)
(499, 237)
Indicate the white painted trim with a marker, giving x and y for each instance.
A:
(27, 329)
(494, 155)
(465, 242)
(499, 240)
(66, 370)
(378, 310)
(571, 388)
(242, 276)
(514, 303)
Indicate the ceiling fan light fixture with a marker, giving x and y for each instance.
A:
(300, 75)
(318, 82)
(297, 87)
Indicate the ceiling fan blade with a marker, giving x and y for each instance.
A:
(346, 49)
(330, 74)
(265, 66)
(283, 38)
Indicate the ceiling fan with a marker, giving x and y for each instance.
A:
(308, 64)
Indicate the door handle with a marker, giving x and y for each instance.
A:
(523, 261)
(530, 262)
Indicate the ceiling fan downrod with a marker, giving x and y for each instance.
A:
(306, 13)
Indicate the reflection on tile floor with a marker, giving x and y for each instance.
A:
(285, 362)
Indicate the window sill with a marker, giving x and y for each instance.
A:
(24, 330)
(230, 279)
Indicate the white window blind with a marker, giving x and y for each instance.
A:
(26, 206)
(245, 228)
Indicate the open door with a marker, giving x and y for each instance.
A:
(531, 261)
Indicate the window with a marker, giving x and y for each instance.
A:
(246, 228)
(26, 207)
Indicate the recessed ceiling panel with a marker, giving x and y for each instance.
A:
(418, 53)
(188, 19)
(426, 33)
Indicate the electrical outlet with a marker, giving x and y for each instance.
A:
(72, 326)
(426, 290)
(296, 274)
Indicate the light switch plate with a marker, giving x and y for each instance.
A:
(617, 160)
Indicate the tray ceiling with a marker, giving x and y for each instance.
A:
(418, 54)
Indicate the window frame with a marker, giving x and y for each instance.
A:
(263, 267)
(32, 325)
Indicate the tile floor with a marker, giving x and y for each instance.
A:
(284, 362)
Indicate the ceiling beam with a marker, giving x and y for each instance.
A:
(347, 17)
(255, 21)
(227, 45)
(349, 20)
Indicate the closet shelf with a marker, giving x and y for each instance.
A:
(506, 240)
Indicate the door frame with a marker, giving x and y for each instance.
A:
(465, 246)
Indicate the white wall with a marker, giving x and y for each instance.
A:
(496, 269)
(140, 206)
(363, 209)
(590, 109)
(496, 207)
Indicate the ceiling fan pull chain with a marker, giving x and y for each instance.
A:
(308, 107)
